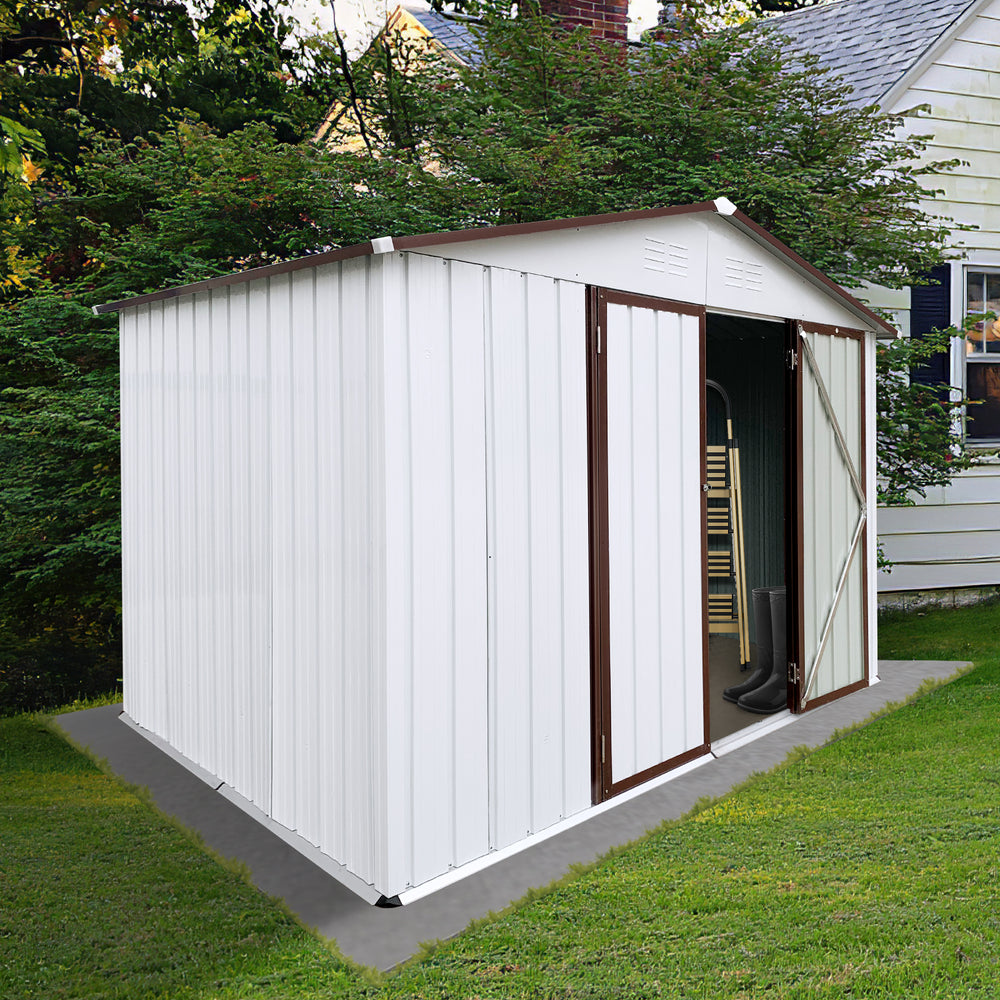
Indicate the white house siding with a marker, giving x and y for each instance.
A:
(962, 86)
(251, 461)
(951, 539)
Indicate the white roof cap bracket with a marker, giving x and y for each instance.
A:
(724, 206)
(383, 244)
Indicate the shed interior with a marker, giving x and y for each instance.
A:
(746, 357)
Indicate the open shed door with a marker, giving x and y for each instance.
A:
(648, 588)
(829, 633)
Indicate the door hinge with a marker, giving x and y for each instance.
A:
(602, 748)
(792, 360)
(793, 672)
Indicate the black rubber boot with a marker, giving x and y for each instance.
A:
(765, 653)
(772, 696)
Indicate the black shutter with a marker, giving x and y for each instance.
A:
(930, 309)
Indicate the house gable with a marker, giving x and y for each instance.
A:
(872, 45)
(961, 87)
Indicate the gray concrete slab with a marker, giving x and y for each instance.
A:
(383, 938)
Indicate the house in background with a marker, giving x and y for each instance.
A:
(410, 36)
(900, 54)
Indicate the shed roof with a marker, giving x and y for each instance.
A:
(721, 208)
(871, 44)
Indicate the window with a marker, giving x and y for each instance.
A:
(982, 356)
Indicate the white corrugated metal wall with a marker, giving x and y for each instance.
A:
(436, 567)
(487, 541)
(655, 532)
(254, 546)
(328, 679)
(196, 570)
(831, 510)
(538, 543)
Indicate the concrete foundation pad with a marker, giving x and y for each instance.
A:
(382, 938)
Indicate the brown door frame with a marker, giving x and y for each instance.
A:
(603, 785)
(794, 528)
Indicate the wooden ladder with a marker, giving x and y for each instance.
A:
(727, 612)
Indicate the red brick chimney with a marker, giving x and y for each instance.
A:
(606, 18)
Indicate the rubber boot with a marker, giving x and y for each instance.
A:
(762, 625)
(772, 696)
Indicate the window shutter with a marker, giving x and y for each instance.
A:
(930, 309)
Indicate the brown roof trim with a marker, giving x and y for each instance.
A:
(736, 218)
(546, 226)
(239, 277)
(759, 233)
(404, 243)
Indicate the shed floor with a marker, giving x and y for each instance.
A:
(724, 717)
(385, 937)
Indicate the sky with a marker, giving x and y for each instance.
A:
(357, 19)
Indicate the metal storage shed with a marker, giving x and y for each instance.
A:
(414, 531)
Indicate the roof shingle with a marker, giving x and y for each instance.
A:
(870, 44)
(452, 34)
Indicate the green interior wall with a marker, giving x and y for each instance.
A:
(746, 357)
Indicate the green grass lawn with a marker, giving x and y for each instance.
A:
(866, 869)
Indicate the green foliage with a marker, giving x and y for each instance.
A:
(119, 196)
(179, 207)
(135, 195)
(551, 123)
(917, 448)
(131, 68)
(864, 869)
(17, 143)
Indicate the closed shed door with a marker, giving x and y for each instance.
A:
(832, 619)
(647, 379)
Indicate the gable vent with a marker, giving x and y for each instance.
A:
(665, 258)
(743, 274)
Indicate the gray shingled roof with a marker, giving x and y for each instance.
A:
(870, 44)
(452, 34)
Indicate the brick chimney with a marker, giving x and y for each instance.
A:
(606, 19)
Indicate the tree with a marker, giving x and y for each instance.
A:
(916, 445)
(547, 124)
(104, 187)
(702, 12)
(127, 68)
(550, 123)
(179, 206)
